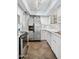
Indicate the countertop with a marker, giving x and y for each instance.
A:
(53, 32)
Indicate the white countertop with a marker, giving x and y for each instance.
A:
(53, 32)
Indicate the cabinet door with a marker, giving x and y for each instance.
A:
(43, 35)
(57, 40)
(48, 37)
(57, 48)
(52, 42)
(57, 51)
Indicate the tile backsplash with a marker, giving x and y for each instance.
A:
(52, 26)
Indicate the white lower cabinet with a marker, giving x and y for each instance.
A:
(45, 35)
(56, 45)
(54, 42)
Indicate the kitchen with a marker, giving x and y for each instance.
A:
(39, 21)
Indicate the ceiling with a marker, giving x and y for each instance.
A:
(39, 7)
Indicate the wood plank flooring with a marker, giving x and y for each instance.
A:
(39, 50)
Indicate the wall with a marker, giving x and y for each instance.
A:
(20, 13)
(23, 20)
(26, 22)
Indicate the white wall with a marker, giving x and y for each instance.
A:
(20, 13)
(23, 20)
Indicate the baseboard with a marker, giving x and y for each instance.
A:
(33, 41)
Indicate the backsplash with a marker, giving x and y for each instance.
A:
(51, 27)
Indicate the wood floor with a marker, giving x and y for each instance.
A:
(39, 50)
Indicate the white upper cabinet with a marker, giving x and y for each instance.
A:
(45, 20)
(59, 15)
